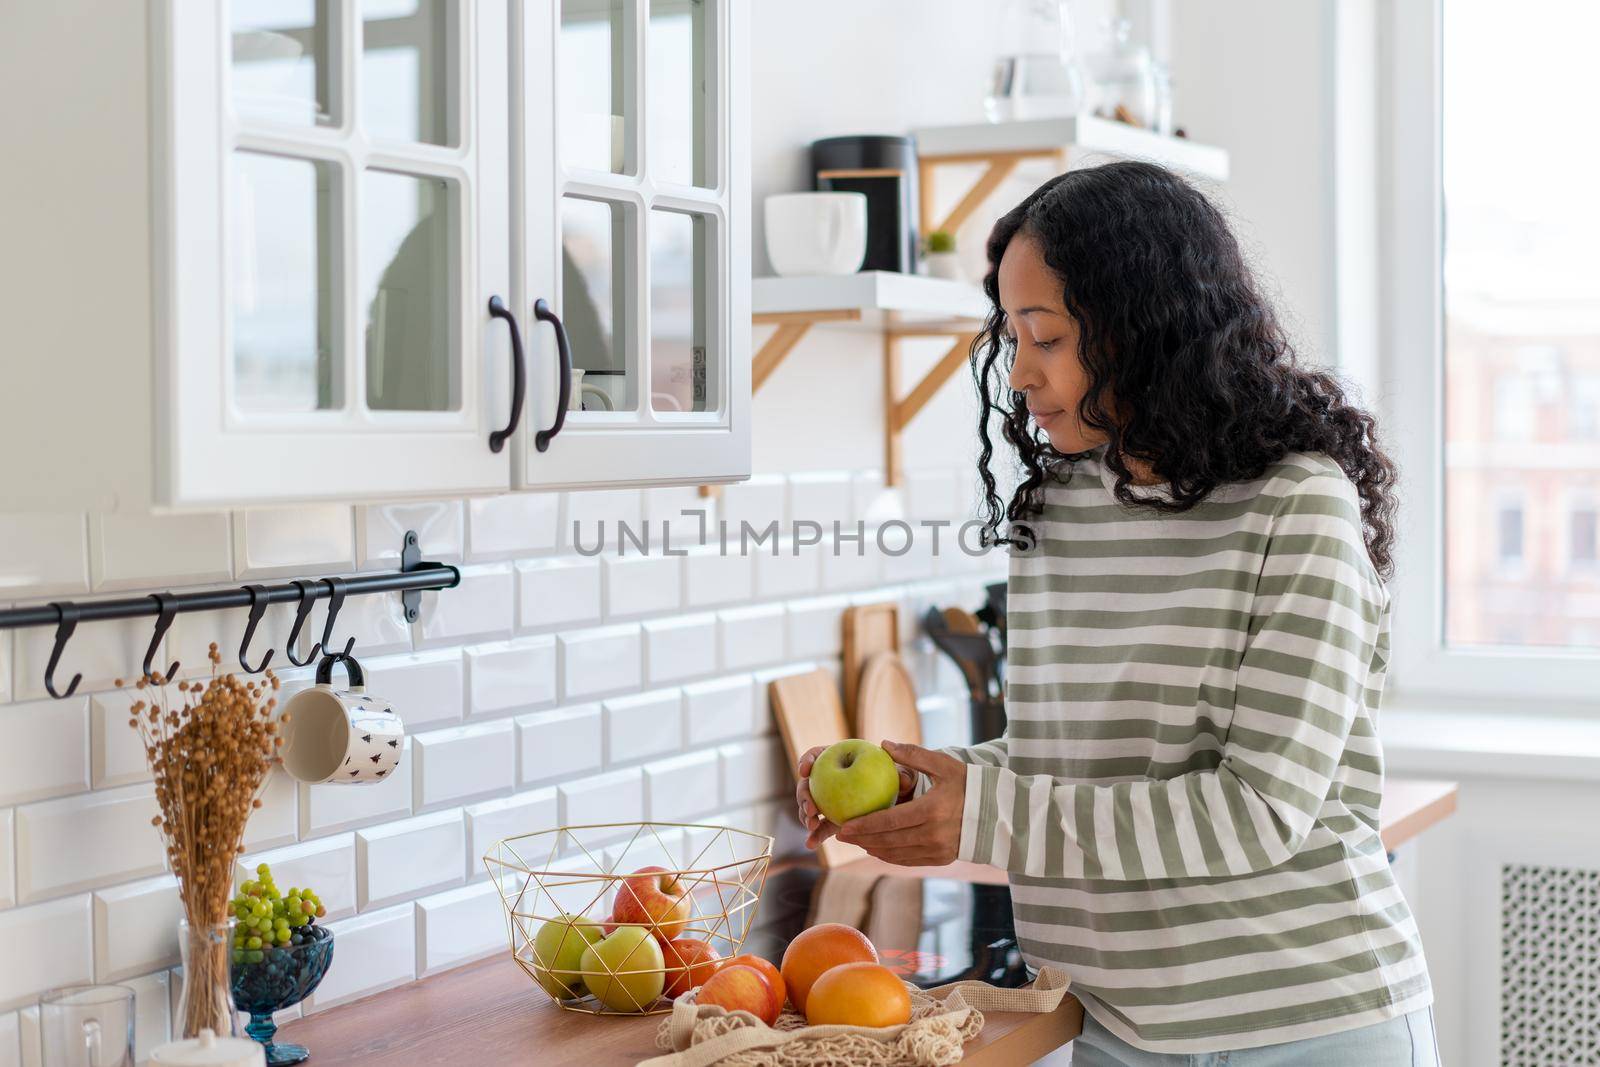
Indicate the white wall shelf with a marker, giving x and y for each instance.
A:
(1006, 145)
(895, 305)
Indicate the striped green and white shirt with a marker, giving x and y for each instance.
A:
(1186, 797)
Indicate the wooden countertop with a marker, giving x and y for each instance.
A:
(489, 1013)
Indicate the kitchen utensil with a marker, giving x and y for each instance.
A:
(717, 871)
(209, 1050)
(868, 629)
(87, 1026)
(808, 713)
(285, 976)
(961, 621)
(347, 736)
(816, 233)
(969, 647)
(887, 708)
(884, 169)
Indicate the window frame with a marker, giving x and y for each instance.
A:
(1424, 670)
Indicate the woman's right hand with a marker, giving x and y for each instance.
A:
(818, 828)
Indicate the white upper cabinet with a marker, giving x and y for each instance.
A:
(632, 210)
(285, 250)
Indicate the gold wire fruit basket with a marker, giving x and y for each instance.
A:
(618, 919)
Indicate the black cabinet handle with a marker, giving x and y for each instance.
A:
(519, 374)
(542, 312)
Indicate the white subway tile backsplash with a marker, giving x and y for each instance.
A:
(111, 841)
(615, 797)
(513, 524)
(718, 710)
(116, 755)
(101, 651)
(754, 770)
(644, 725)
(557, 592)
(378, 623)
(377, 951)
(329, 808)
(823, 497)
(400, 860)
(10, 1040)
(851, 564)
(274, 822)
(8, 890)
(679, 517)
(908, 553)
(483, 606)
(152, 1013)
(136, 928)
(457, 926)
(44, 554)
(511, 675)
(758, 501)
(327, 865)
(765, 723)
(44, 749)
(931, 493)
(130, 551)
(678, 789)
(596, 516)
(713, 576)
(426, 688)
(381, 531)
(463, 761)
(751, 637)
(680, 647)
(605, 660)
(559, 743)
(815, 627)
(190, 639)
(293, 542)
(641, 585)
(787, 568)
(46, 945)
(513, 816)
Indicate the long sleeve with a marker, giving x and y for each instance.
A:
(1314, 625)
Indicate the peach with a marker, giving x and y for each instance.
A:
(815, 950)
(741, 989)
(858, 994)
(690, 961)
(653, 897)
(768, 971)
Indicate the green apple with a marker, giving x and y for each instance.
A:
(626, 971)
(853, 778)
(558, 947)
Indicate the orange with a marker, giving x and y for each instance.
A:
(815, 950)
(858, 994)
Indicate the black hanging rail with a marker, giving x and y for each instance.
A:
(415, 576)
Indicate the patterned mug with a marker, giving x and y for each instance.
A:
(347, 736)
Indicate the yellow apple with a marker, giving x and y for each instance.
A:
(558, 954)
(625, 971)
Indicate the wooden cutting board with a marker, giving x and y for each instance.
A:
(886, 707)
(868, 630)
(809, 714)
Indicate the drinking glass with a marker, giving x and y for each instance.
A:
(87, 1026)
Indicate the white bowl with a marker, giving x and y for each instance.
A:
(816, 233)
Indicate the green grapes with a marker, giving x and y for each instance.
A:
(266, 920)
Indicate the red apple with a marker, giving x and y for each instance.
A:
(740, 988)
(768, 971)
(653, 897)
(690, 962)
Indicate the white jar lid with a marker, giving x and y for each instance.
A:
(209, 1050)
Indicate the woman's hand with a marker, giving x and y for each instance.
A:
(925, 832)
(818, 828)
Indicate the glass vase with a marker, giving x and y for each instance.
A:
(206, 1001)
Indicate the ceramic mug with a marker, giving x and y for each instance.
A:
(816, 233)
(341, 735)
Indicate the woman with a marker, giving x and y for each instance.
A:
(1186, 796)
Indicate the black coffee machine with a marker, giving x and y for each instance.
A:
(885, 169)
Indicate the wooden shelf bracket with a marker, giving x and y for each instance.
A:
(899, 411)
(1000, 166)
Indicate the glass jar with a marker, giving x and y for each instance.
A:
(206, 1001)
(1125, 79)
(1036, 74)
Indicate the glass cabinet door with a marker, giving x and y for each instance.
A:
(634, 182)
(339, 208)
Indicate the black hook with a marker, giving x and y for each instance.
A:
(335, 602)
(258, 607)
(67, 616)
(165, 614)
(301, 613)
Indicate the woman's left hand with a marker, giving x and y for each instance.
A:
(925, 832)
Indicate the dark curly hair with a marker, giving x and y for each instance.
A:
(1188, 369)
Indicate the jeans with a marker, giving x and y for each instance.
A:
(1404, 1041)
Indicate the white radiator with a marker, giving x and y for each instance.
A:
(1549, 966)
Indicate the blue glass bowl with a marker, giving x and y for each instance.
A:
(283, 977)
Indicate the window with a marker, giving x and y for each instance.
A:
(1583, 537)
(1521, 302)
